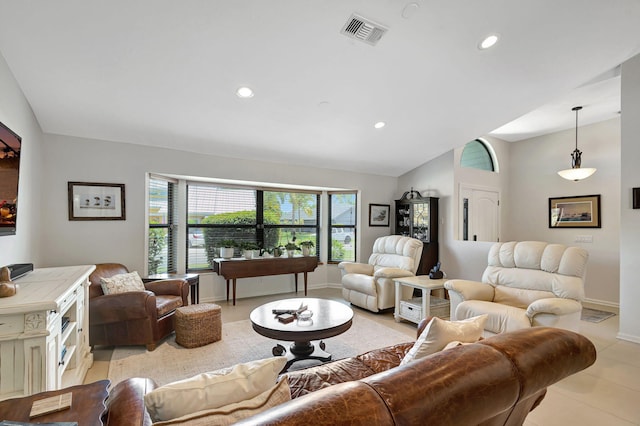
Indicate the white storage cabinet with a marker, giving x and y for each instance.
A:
(44, 332)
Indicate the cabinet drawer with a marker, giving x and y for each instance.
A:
(410, 311)
(68, 301)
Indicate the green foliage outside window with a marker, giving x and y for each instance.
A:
(157, 243)
(244, 233)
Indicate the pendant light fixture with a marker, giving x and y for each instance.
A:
(576, 173)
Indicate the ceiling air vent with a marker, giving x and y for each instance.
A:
(363, 29)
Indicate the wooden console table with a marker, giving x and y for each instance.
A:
(232, 269)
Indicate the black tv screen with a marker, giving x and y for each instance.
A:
(10, 144)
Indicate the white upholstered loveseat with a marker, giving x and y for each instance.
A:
(370, 285)
(526, 284)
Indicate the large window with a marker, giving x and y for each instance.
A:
(162, 226)
(252, 218)
(342, 226)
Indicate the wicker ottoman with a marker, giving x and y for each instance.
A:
(198, 325)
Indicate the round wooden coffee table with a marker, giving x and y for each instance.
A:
(329, 319)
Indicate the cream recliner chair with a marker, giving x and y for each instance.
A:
(526, 284)
(370, 285)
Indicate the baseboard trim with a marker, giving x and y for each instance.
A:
(602, 303)
(628, 337)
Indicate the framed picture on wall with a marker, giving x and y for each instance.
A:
(96, 201)
(379, 214)
(581, 211)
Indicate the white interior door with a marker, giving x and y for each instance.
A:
(480, 214)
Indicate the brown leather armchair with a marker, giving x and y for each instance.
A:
(134, 318)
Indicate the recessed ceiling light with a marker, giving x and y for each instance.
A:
(488, 42)
(244, 92)
(379, 124)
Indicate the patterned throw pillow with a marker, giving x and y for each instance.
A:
(122, 283)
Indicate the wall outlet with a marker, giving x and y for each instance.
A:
(583, 239)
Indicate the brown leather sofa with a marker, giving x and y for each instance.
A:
(135, 318)
(496, 381)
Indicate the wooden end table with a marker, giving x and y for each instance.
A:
(425, 285)
(192, 279)
(87, 405)
(329, 319)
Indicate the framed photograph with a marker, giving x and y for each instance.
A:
(379, 214)
(582, 211)
(96, 201)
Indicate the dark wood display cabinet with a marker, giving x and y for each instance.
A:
(417, 216)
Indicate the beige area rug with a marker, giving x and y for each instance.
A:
(240, 343)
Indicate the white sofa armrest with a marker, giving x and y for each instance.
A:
(554, 305)
(392, 273)
(470, 290)
(355, 268)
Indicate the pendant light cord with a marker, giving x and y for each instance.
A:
(576, 109)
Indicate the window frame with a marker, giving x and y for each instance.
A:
(331, 227)
(171, 225)
(260, 225)
(487, 150)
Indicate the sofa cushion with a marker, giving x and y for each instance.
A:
(501, 318)
(302, 382)
(214, 389)
(122, 283)
(438, 333)
(166, 304)
(384, 359)
(232, 413)
(364, 365)
(518, 297)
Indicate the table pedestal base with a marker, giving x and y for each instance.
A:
(300, 351)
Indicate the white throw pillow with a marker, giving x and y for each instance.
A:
(233, 413)
(122, 283)
(438, 333)
(214, 389)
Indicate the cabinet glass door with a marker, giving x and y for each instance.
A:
(421, 221)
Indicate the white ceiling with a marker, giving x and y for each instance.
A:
(165, 72)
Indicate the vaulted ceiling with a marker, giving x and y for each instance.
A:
(165, 73)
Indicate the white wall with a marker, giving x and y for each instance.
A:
(630, 218)
(435, 179)
(85, 160)
(534, 164)
(16, 114)
(442, 177)
(527, 178)
(482, 179)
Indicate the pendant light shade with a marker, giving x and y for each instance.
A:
(576, 172)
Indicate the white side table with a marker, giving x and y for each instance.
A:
(423, 283)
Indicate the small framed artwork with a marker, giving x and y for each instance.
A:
(636, 198)
(379, 214)
(581, 211)
(96, 201)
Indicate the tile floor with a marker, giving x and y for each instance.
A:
(606, 394)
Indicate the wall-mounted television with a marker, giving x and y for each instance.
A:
(10, 144)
